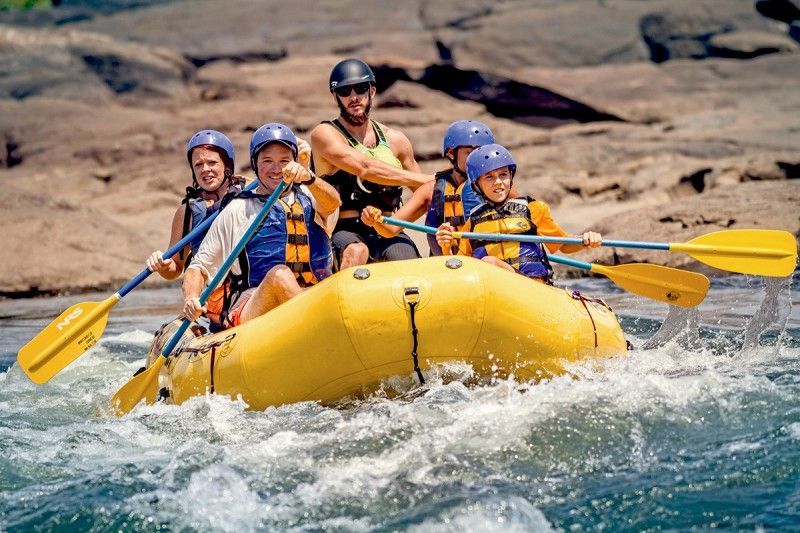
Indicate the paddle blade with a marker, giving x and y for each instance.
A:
(143, 386)
(670, 285)
(74, 331)
(762, 252)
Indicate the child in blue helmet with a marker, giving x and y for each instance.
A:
(449, 197)
(291, 249)
(490, 170)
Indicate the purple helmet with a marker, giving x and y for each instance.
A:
(269, 133)
(211, 138)
(466, 133)
(486, 159)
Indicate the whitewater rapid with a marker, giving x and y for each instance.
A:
(699, 426)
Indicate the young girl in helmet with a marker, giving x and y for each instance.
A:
(449, 197)
(490, 170)
(211, 158)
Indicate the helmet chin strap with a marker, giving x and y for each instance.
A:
(226, 180)
(456, 170)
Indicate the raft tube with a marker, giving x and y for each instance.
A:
(350, 333)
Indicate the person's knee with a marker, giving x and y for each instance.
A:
(400, 251)
(356, 253)
(280, 276)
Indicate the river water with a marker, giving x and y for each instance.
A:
(698, 428)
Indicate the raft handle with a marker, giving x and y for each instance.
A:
(411, 295)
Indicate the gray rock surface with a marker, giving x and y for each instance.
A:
(95, 112)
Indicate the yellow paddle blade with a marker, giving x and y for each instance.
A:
(670, 285)
(762, 252)
(74, 331)
(143, 386)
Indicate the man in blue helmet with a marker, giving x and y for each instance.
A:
(490, 170)
(449, 198)
(211, 158)
(290, 251)
(367, 163)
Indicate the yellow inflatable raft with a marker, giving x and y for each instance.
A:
(354, 330)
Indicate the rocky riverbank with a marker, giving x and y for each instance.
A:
(647, 120)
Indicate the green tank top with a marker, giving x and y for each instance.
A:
(381, 152)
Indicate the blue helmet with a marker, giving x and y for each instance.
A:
(486, 159)
(211, 138)
(466, 133)
(269, 133)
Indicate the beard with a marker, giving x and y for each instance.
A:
(355, 120)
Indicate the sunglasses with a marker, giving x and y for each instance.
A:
(343, 92)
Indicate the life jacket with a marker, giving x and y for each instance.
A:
(288, 236)
(357, 193)
(449, 203)
(197, 211)
(513, 217)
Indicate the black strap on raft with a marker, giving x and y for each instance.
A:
(411, 296)
(211, 367)
(594, 327)
(213, 356)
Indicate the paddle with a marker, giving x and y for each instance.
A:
(78, 328)
(665, 284)
(762, 252)
(144, 386)
(670, 285)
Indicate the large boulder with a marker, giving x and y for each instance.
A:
(510, 35)
(75, 246)
(682, 30)
(83, 66)
(71, 11)
(206, 30)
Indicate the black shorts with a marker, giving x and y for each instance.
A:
(352, 230)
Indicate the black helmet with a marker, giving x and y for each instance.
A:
(350, 72)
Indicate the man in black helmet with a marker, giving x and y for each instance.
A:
(367, 163)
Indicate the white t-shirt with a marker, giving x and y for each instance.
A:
(231, 224)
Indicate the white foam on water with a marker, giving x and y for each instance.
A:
(215, 498)
(491, 514)
(793, 430)
(137, 336)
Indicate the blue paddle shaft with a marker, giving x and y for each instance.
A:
(223, 270)
(528, 238)
(570, 262)
(177, 247)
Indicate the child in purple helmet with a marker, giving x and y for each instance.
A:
(490, 170)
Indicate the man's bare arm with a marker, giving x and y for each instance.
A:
(326, 197)
(328, 144)
(405, 152)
